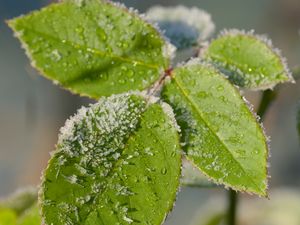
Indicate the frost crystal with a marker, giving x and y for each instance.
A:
(183, 26)
(92, 142)
(169, 111)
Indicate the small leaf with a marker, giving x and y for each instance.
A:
(248, 60)
(7, 217)
(93, 47)
(117, 162)
(185, 27)
(222, 137)
(21, 200)
(30, 217)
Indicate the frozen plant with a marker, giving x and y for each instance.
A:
(119, 160)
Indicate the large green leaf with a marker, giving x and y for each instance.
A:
(249, 61)
(93, 47)
(220, 134)
(117, 162)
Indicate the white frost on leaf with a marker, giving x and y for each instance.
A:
(170, 113)
(242, 76)
(169, 50)
(182, 25)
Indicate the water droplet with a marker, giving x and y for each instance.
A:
(163, 171)
(121, 81)
(101, 34)
(202, 94)
(220, 88)
(130, 73)
(103, 76)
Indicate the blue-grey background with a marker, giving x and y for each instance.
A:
(32, 109)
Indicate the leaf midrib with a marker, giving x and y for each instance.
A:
(119, 162)
(209, 127)
(216, 57)
(94, 51)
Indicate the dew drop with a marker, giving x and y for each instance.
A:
(130, 73)
(202, 94)
(220, 88)
(101, 34)
(163, 171)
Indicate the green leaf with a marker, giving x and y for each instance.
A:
(219, 133)
(117, 162)
(30, 217)
(93, 47)
(7, 217)
(248, 60)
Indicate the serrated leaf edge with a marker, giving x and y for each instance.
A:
(264, 193)
(150, 100)
(168, 50)
(265, 40)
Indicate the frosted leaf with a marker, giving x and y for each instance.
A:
(249, 60)
(220, 135)
(185, 27)
(108, 162)
(92, 47)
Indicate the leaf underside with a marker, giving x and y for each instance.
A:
(94, 48)
(117, 162)
(220, 134)
(249, 61)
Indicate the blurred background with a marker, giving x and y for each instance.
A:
(32, 109)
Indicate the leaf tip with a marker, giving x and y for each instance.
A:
(256, 76)
(11, 23)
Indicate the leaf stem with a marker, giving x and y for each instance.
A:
(233, 200)
(268, 96)
(156, 88)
